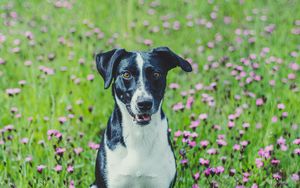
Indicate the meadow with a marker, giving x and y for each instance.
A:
(234, 121)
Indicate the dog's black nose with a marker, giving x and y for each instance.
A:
(144, 104)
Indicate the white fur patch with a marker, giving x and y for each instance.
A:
(147, 160)
(141, 90)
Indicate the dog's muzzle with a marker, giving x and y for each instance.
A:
(144, 111)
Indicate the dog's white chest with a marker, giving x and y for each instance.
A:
(146, 161)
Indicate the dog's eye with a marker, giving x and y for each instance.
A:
(126, 75)
(156, 75)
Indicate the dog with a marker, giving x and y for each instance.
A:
(135, 150)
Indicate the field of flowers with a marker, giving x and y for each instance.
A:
(234, 121)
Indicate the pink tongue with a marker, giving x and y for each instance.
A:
(144, 117)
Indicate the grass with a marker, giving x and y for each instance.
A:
(122, 25)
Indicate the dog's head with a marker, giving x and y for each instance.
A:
(139, 78)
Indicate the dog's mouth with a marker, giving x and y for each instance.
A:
(141, 119)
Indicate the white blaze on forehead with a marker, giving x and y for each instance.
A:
(140, 90)
(140, 64)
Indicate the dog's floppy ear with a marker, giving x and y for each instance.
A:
(106, 63)
(172, 59)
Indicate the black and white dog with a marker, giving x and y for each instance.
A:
(135, 150)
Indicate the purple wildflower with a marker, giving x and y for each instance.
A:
(60, 151)
(58, 168)
(70, 169)
(93, 145)
(196, 176)
(62, 120)
(277, 176)
(40, 168)
(212, 151)
(259, 163)
(178, 106)
(295, 177)
(203, 162)
(78, 150)
(90, 77)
